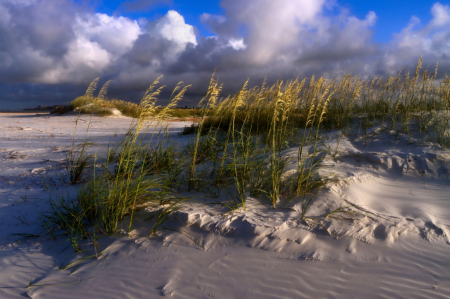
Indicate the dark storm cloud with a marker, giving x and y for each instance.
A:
(33, 35)
(146, 50)
(26, 95)
(44, 26)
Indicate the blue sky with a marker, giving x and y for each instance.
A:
(190, 10)
(393, 15)
(50, 50)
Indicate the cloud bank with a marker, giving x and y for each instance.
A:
(51, 50)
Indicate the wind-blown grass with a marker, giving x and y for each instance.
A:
(237, 147)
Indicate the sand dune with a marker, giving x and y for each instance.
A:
(398, 247)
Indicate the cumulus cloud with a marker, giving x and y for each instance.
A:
(431, 39)
(441, 14)
(99, 42)
(61, 46)
(161, 44)
(259, 38)
(272, 26)
(33, 36)
(57, 42)
(172, 27)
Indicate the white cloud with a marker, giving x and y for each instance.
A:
(409, 37)
(116, 35)
(441, 14)
(173, 28)
(237, 44)
(432, 40)
(92, 45)
(271, 25)
(84, 59)
(95, 48)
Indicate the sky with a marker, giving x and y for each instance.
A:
(50, 50)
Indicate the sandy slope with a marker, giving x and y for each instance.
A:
(398, 249)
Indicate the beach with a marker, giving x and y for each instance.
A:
(397, 248)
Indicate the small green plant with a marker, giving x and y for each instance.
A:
(78, 159)
(162, 216)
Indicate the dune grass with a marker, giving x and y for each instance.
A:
(237, 147)
(101, 105)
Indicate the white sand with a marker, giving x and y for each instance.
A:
(399, 249)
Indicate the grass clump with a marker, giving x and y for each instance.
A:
(240, 147)
(103, 106)
(100, 104)
(127, 181)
